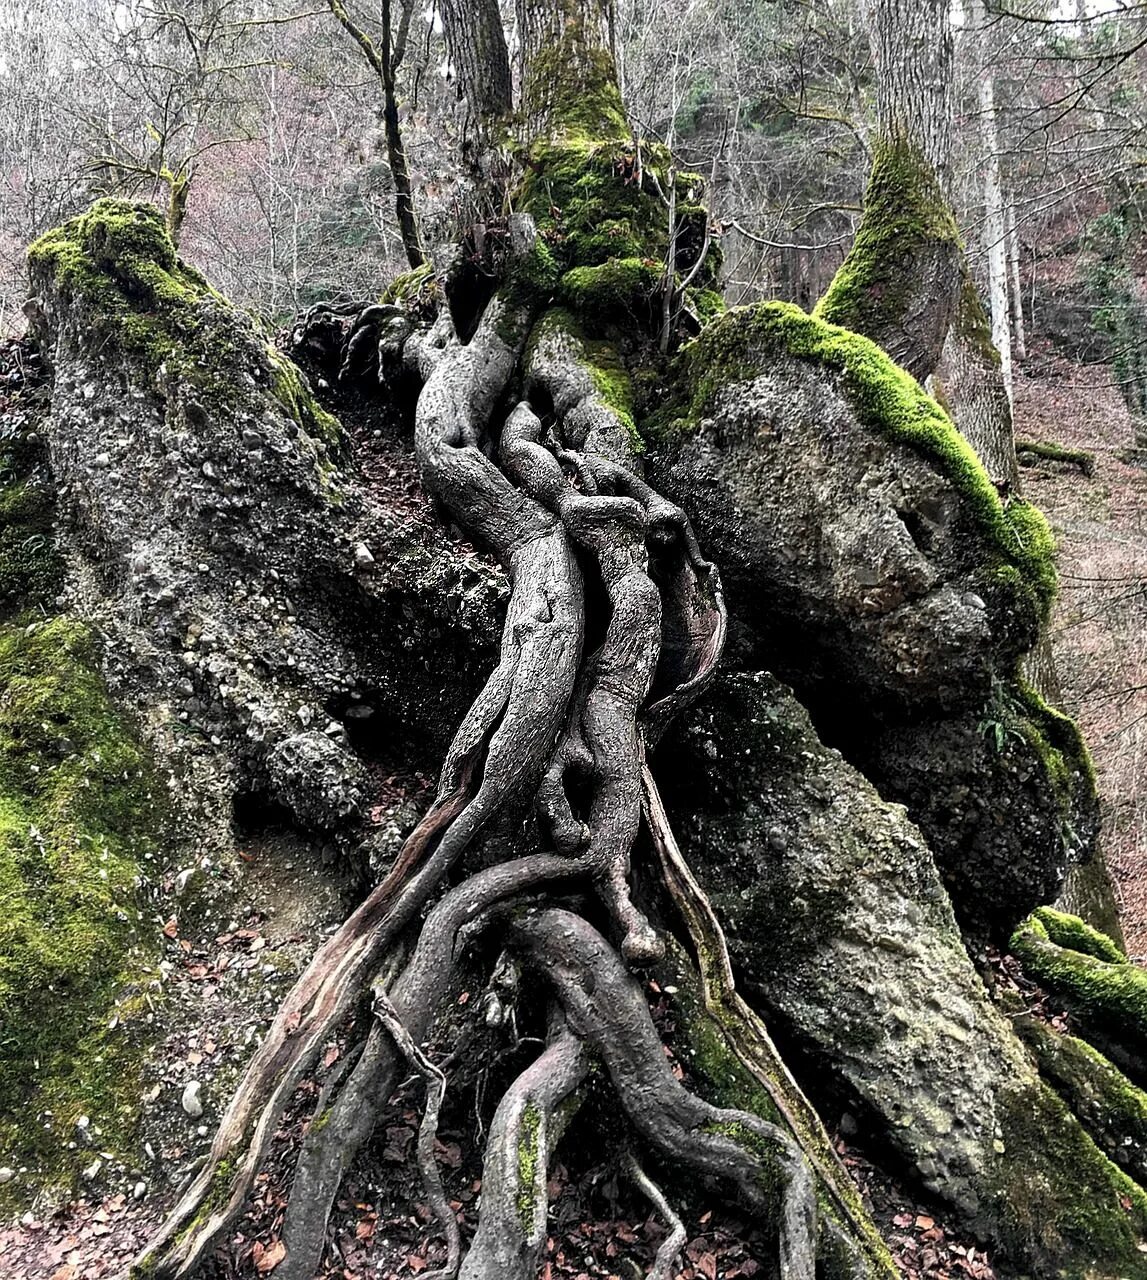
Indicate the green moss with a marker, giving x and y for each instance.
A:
(529, 1135)
(1107, 1104)
(289, 388)
(1082, 1213)
(601, 361)
(613, 290)
(410, 287)
(1070, 931)
(117, 266)
(78, 811)
(906, 219)
(738, 345)
(1056, 453)
(1087, 970)
(604, 202)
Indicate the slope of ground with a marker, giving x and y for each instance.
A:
(1100, 621)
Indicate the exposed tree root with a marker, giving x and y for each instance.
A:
(568, 499)
(674, 1242)
(427, 1132)
(605, 1005)
(527, 1125)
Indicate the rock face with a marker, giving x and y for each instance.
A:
(873, 565)
(218, 540)
(841, 931)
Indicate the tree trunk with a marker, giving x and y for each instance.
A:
(898, 283)
(995, 219)
(1017, 294)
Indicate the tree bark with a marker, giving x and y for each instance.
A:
(898, 283)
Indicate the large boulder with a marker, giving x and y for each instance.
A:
(842, 934)
(869, 561)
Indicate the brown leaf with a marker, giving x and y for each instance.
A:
(171, 928)
(707, 1265)
(66, 1272)
(415, 1263)
(271, 1256)
(924, 1222)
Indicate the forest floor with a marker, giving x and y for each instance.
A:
(1099, 628)
(599, 1227)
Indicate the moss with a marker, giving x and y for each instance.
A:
(292, 392)
(1082, 1213)
(738, 345)
(1070, 931)
(613, 290)
(1053, 452)
(906, 218)
(412, 286)
(604, 202)
(1107, 1104)
(1087, 970)
(117, 266)
(529, 1136)
(78, 812)
(601, 361)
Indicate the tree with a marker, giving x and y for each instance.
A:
(865, 555)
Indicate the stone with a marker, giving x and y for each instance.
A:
(190, 1101)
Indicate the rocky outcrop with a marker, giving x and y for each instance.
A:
(840, 930)
(874, 566)
(258, 589)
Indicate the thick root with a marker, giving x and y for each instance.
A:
(605, 1006)
(527, 1125)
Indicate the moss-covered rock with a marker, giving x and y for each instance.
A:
(1105, 992)
(79, 813)
(898, 284)
(871, 562)
(1108, 1105)
(841, 931)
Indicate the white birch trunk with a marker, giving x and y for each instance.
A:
(995, 224)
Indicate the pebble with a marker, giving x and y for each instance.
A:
(139, 1191)
(93, 1170)
(6, 1174)
(190, 1100)
(362, 557)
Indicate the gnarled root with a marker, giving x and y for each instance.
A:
(527, 1125)
(605, 1006)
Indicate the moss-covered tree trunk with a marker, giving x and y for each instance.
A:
(898, 283)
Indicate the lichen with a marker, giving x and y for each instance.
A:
(529, 1142)
(905, 218)
(79, 809)
(737, 346)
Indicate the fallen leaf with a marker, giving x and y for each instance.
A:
(66, 1272)
(271, 1256)
(925, 1223)
(171, 928)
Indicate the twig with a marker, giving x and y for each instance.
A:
(386, 1013)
